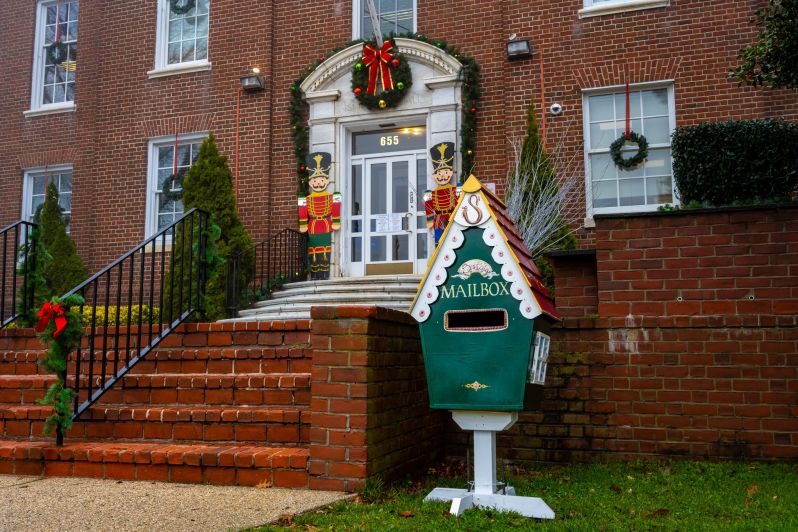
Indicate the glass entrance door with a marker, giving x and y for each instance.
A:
(388, 232)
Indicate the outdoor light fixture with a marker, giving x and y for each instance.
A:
(519, 49)
(253, 81)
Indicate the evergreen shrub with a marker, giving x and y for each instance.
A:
(65, 270)
(208, 186)
(736, 162)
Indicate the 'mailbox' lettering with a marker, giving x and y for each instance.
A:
(475, 290)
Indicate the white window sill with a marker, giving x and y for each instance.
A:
(631, 209)
(620, 7)
(51, 110)
(180, 68)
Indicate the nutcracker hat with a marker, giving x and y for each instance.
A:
(319, 164)
(442, 156)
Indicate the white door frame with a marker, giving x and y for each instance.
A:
(344, 249)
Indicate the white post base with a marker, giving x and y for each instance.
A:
(485, 425)
(463, 499)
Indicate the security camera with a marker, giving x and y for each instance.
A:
(555, 109)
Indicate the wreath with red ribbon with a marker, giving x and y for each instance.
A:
(382, 77)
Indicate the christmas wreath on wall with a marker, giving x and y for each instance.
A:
(624, 140)
(181, 7)
(629, 137)
(382, 77)
(469, 74)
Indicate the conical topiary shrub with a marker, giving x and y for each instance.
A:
(65, 270)
(208, 186)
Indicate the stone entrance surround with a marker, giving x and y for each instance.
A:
(434, 100)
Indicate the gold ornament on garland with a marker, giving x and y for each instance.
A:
(383, 104)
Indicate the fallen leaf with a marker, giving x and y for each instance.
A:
(630, 477)
(616, 488)
(566, 479)
(752, 489)
(775, 497)
(570, 497)
(285, 520)
(358, 499)
(748, 502)
(660, 512)
(263, 485)
(407, 513)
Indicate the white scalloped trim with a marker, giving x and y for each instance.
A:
(501, 254)
(444, 258)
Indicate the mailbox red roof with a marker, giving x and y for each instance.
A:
(517, 246)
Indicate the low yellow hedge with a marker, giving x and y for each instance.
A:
(119, 316)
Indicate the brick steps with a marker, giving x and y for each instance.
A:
(227, 465)
(191, 424)
(219, 404)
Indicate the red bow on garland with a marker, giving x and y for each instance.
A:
(47, 313)
(377, 62)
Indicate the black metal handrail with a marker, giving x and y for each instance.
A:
(254, 274)
(169, 270)
(16, 270)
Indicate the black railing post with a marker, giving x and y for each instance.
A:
(18, 244)
(232, 289)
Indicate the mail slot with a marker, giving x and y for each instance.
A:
(484, 315)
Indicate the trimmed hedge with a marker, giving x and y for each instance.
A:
(736, 162)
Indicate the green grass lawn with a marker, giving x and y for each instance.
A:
(672, 495)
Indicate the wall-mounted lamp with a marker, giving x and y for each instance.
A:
(519, 49)
(253, 81)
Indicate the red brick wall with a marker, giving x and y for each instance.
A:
(119, 108)
(370, 414)
(713, 374)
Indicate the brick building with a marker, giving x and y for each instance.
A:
(106, 130)
(680, 330)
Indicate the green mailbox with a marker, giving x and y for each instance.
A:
(483, 312)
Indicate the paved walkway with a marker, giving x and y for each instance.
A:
(32, 503)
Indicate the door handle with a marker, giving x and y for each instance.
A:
(406, 222)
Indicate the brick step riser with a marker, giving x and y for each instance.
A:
(177, 432)
(220, 476)
(230, 397)
(280, 389)
(216, 366)
(225, 465)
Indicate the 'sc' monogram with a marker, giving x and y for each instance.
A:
(473, 201)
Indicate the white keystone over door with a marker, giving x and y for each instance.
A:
(382, 226)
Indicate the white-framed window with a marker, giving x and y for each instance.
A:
(539, 359)
(182, 38)
(34, 189)
(647, 187)
(53, 85)
(161, 210)
(396, 16)
(594, 8)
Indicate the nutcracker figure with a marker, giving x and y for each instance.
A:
(319, 215)
(440, 203)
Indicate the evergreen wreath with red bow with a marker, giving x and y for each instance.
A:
(382, 76)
